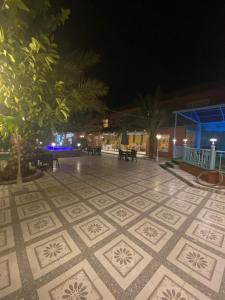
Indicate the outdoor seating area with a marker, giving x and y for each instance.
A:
(43, 160)
(94, 150)
(127, 155)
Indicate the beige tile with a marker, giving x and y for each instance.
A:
(120, 194)
(207, 235)
(5, 217)
(94, 230)
(32, 209)
(102, 201)
(123, 260)
(76, 212)
(38, 226)
(197, 192)
(65, 199)
(216, 205)
(28, 197)
(155, 196)
(165, 285)
(217, 197)
(50, 253)
(79, 280)
(6, 238)
(9, 275)
(169, 217)
(4, 203)
(121, 214)
(189, 197)
(88, 192)
(180, 205)
(151, 234)
(211, 217)
(135, 188)
(140, 203)
(198, 263)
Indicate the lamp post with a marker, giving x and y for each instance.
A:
(212, 161)
(174, 147)
(185, 148)
(53, 145)
(158, 137)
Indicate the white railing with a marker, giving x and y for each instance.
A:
(220, 160)
(197, 157)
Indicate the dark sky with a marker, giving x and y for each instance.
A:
(146, 43)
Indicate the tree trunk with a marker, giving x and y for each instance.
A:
(17, 165)
(152, 145)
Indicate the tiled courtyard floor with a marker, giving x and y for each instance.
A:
(100, 228)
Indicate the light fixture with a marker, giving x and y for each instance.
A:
(81, 136)
(78, 144)
(174, 140)
(40, 142)
(158, 136)
(185, 141)
(213, 141)
(53, 144)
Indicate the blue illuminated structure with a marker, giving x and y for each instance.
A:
(209, 121)
(58, 148)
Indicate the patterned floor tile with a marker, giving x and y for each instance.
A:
(211, 217)
(120, 182)
(38, 226)
(135, 188)
(147, 183)
(78, 185)
(207, 235)
(189, 197)
(48, 254)
(87, 192)
(165, 190)
(165, 285)
(9, 275)
(151, 234)
(80, 282)
(49, 184)
(28, 197)
(76, 212)
(94, 230)
(174, 185)
(168, 217)
(65, 199)
(217, 197)
(32, 209)
(121, 214)
(4, 193)
(155, 196)
(216, 205)
(123, 259)
(102, 201)
(140, 203)
(56, 190)
(198, 263)
(4, 203)
(106, 187)
(5, 217)
(196, 191)
(6, 238)
(180, 205)
(120, 194)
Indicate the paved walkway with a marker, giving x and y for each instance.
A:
(106, 229)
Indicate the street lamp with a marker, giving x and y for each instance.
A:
(185, 141)
(53, 145)
(213, 141)
(158, 136)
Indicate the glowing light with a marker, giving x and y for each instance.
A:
(78, 144)
(81, 136)
(213, 141)
(158, 136)
(40, 142)
(174, 140)
(185, 141)
(23, 118)
(53, 144)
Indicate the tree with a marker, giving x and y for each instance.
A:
(29, 91)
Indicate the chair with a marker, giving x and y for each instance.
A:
(134, 154)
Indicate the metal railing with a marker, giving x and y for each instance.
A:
(220, 160)
(197, 157)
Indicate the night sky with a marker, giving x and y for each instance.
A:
(143, 44)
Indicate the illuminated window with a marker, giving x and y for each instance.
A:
(164, 143)
(105, 123)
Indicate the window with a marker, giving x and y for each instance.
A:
(105, 123)
(163, 143)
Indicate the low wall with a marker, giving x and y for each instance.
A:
(195, 170)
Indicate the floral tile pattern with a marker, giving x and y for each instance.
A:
(211, 217)
(38, 226)
(216, 205)
(32, 209)
(168, 217)
(80, 283)
(76, 212)
(123, 259)
(102, 201)
(151, 234)
(94, 230)
(140, 203)
(121, 214)
(165, 285)
(207, 235)
(199, 263)
(6, 238)
(180, 205)
(189, 197)
(120, 194)
(99, 228)
(155, 196)
(87, 192)
(65, 199)
(28, 197)
(46, 255)
(9, 275)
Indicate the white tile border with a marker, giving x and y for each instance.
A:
(9, 236)
(43, 292)
(217, 275)
(117, 220)
(203, 217)
(154, 282)
(124, 282)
